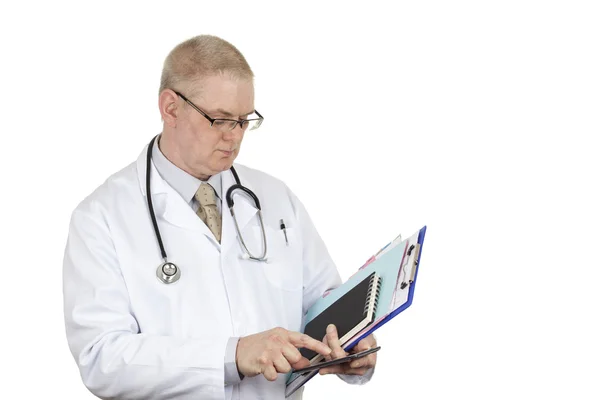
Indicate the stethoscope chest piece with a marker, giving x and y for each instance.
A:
(168, 272)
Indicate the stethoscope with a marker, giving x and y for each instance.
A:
(168, 272)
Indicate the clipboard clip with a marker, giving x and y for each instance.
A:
(417, 250)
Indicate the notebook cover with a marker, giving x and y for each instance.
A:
(346, 313)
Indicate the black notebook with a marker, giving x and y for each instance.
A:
(351, 313)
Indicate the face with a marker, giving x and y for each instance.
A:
(204, 150)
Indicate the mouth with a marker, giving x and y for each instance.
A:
(227, 152)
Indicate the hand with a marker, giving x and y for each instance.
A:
(275, 351)
(359, 366)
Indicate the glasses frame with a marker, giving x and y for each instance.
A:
(239, 122)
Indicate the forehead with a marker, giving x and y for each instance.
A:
(221, 92)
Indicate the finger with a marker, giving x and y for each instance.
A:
(365, 344)
(334, 342)
(281, 364)
(293, 356)
(361, 346)
(367, 361)
(303, 363)
(343, 369)
(301, 340)
(332, 335)
(330, 356)
(334, 369)
(270, 373)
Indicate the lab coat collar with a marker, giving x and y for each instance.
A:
(158, 185)
(172, 207)
(167, 202)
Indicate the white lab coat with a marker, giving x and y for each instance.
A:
(134, 337)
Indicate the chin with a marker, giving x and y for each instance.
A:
(224, 166)
(228, 161)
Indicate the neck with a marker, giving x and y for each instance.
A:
(172, 153)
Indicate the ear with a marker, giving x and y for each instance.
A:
(167, 104)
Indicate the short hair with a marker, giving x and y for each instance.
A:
(201, 57)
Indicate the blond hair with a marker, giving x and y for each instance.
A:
(200, 57)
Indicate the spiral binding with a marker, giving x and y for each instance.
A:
(372, 294)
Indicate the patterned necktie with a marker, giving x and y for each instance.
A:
(208, 211)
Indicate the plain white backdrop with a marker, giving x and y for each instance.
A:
(477, 119)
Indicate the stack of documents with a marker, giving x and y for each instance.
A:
(396, 266)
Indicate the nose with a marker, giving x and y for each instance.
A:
(234, 134)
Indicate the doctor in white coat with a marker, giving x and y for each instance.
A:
(227, 326)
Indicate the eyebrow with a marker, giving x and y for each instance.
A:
(227, 113)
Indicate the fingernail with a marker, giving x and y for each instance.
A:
(355, 364)
(330, 328)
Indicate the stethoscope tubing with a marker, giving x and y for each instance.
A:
(168, 272)
(163, 253)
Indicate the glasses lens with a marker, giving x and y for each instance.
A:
(254, 124)
(224, 124)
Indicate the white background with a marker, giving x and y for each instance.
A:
(478, 119)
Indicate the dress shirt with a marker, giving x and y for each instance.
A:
(187, 185)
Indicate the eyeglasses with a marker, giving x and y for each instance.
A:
(225, 125)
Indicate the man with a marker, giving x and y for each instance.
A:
(216, 323)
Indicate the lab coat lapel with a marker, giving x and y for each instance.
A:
(167, 203)
(244, 210)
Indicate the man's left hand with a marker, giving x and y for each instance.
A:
(360, 366)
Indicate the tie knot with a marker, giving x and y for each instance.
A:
(205, 195)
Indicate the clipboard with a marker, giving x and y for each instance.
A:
(414, 257)
(400, 279)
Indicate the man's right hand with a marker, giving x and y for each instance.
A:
(275, 351)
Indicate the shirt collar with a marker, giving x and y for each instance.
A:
(183, 183)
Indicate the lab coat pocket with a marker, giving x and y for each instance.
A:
(283, 268)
